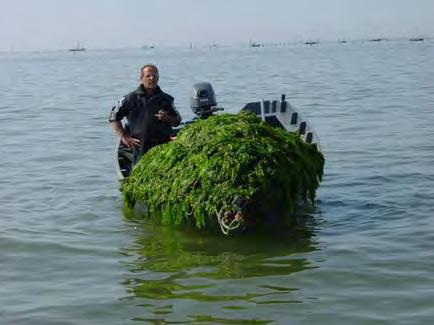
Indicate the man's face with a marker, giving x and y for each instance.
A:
(149, 78)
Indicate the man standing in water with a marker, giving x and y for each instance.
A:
(150, 115)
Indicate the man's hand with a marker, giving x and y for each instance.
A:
(163, 116)
(130, 142)
(125, 138)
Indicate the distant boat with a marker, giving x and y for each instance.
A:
(148, 46)
(376, 40)
(78, 48)
(253, 44)
(342, 41)
(310, 43)
(416, 39)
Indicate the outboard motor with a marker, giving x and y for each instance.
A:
(202, 101)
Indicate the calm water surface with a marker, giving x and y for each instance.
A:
(365, 255)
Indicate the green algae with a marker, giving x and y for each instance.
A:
(213, 161)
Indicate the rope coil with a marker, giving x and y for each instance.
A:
(229, 221)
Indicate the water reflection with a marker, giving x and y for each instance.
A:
(189, 276)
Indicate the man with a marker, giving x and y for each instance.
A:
(150, 115)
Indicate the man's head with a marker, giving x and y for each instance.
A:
(149, 76)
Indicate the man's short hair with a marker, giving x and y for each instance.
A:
(152, 66)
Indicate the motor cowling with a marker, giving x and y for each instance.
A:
(203, 99)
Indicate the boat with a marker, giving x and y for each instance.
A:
(253, 44)
(277, 113)
(416, 39)
(264, 176)
(311, 43)
(284, 115)
(78, 48)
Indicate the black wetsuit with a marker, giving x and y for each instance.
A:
(139, 109)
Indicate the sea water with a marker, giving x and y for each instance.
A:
(364, 255)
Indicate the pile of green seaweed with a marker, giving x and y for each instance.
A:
(225, 157)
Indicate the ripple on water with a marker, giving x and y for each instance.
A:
(365, 256)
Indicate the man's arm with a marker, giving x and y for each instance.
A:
(118, 112)
(125, 138)
(166, 117)
(171, 116)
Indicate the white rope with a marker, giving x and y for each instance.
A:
(234, 224)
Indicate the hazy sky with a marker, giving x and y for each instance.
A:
(57, 24)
